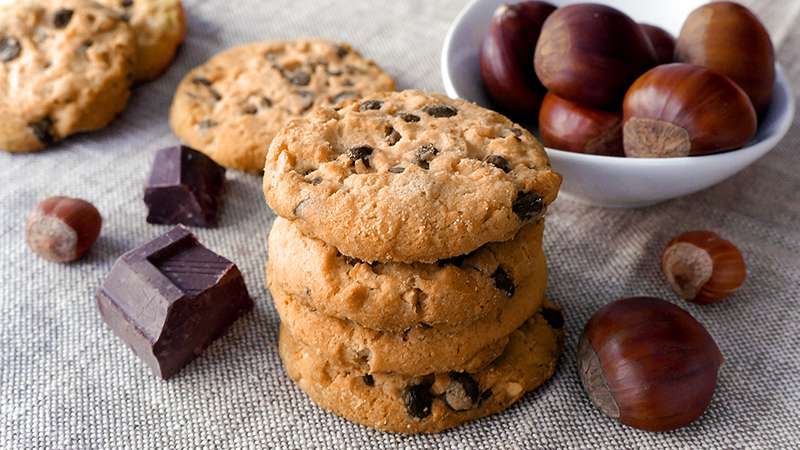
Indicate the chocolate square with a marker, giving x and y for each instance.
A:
(185, 187)
(170, 298)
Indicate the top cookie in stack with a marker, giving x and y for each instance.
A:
(408, 177)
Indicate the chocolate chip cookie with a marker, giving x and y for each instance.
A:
(160, 28)
(408, 177)
(417, 350)
(396, 296)
(437, 401)
(65, 67)
(233, 105)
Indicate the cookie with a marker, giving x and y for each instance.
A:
(396, 296)
(232, 106)
(435, 402)
(160, 27)
(417, 350)
(65, 67)
(408, 177)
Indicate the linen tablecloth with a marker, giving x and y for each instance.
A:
(67, 382)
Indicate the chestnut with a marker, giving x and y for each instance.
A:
(702, 267)
(663, 43)
(681, 110)
(648, 363)
(591, 53)
(507, 57)
(729, 39)
(567, 125)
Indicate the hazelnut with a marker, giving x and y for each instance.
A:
(648, 363)
(61, 229)
(702, 267)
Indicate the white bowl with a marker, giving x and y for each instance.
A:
(615, 181)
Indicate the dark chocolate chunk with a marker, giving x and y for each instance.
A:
(62, 18)
(205, 82)
(368, 105)
(170, 298)
(504, 282)
(410, 118)
(440, 111)
(463, 391)
(306, 100)
(553, 317)
(527, 205)
(499, 162)
(266, 102)
(369, 380)
(485, 396)
(361, 152)
(418, 400)
(392, 136)
(10, 48)
(342, 51)
(41, 129)
(126, 3)
(299, 78)
(316, 181)
(185, 186)
(85, 46)
(517, 132)
(397, 169)
(250, 110)
(425, 155)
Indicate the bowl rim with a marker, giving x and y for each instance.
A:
(780, 127)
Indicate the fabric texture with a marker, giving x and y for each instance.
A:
(67, 382)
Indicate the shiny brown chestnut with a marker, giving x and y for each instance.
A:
(702, 267)
(648, 364)
(663, 43)
(729, 39)
(591, 53)
(507, 57)
(566, 125)
(681, 110)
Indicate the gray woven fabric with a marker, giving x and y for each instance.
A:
(67, 382)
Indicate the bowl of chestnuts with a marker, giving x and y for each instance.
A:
(635, 102)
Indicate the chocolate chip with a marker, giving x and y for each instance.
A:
(504, 282)
(454, 261)
(347, 83)
(307, 100)
(361, 152)
(440, 111)
(265, 101)
(527, 205)
(201, 81)
(126, 3)
(517, 132)
(299, 78)
(425, 155)
(499, 162)
(342, 51)
(125, 17)
(370, 105)
(485, 396)
(85, 46)
(41, 129)
(249, 110)
(9, 49)
(206, 124)
(342, 96)
(397, 169)
(409, 117)
(553, 317)
(368, 380)
(392, 136)
(62, 17)
(350, 260)
(316, 181)
(462, 392)
(418, 400)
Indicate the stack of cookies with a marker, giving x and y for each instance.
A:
(407, 263)
(67, 66)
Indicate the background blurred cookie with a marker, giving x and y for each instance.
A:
(232, 106)
(65, 67)
(160, 28)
